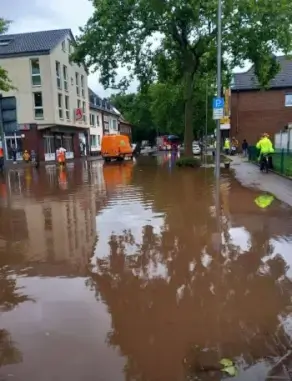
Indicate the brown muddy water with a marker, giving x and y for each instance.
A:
(121, 272)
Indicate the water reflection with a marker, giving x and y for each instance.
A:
(136, 271)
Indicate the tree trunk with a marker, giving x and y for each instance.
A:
(188, 98)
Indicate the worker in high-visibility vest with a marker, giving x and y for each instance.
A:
(61, 156)
(1, 159)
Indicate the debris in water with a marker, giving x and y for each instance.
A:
(228, 367)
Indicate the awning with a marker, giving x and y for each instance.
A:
(63, 129)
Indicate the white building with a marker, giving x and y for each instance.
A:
(51, 96)
(104, 119)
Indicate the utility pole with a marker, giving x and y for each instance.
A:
(219, 58)
(2, 136)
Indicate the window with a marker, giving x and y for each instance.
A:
(84, 111)
(35, 72)
(93, 140)
(98, 138)
(97, 120)
(64, 46)
(78, 103)
(72, 81)
(70, 47)
(82, 86)
(68, 143)
(5, 42)
(77, 83)
(114, 124)
(92, 119)
(38, 106)
(288, 100)
(65, 76)
(60, 105)
(58, 75)
(67, 107)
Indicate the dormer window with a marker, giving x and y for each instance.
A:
(5, 42)
(94, 101)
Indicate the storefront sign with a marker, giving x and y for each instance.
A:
(78, 114)
(69, 155)
(23, 127)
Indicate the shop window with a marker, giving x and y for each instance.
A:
(68, 143)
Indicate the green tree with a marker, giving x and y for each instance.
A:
(5, 82)
(150, 36)
(136, 109)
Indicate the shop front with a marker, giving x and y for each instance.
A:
(14, 142)
(57, 137)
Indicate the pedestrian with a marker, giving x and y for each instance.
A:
(227, 146)
(244, 147)
(13, 153)
(265, 146)
(1, 160)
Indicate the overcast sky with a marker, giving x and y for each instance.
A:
(35, 15)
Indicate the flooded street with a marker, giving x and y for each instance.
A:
(121, 272)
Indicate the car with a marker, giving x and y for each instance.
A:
(196, 148)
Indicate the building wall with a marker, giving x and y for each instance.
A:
(58, 54)
(109, 126)
(126, 129)
(255, 112)
(19, 72)
(96, 130)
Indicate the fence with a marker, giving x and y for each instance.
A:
(282, 160)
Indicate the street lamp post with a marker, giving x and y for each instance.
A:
(219, 58)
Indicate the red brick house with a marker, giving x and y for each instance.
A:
(254, 111)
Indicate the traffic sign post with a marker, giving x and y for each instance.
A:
(218, 108)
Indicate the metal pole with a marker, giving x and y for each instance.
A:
(2, 135)
(219, 57)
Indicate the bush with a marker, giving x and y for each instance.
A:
(192, 162)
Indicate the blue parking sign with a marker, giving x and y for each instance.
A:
(218, 103)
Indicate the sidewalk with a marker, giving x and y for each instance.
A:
(250, 176)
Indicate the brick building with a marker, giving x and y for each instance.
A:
(254, 111)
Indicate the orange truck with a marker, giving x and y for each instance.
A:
(116, 147)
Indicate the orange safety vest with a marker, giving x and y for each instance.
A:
(1, 152)
(61, 157)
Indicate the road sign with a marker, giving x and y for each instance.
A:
(218, 108)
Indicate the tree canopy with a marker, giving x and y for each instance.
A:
(5, 82)
(160, 110)
(176, 39)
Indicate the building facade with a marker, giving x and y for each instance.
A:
(51, 95)
(104, 120)
(125, 128)
(254, 111)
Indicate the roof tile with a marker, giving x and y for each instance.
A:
(33, 42)
(248, 80)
